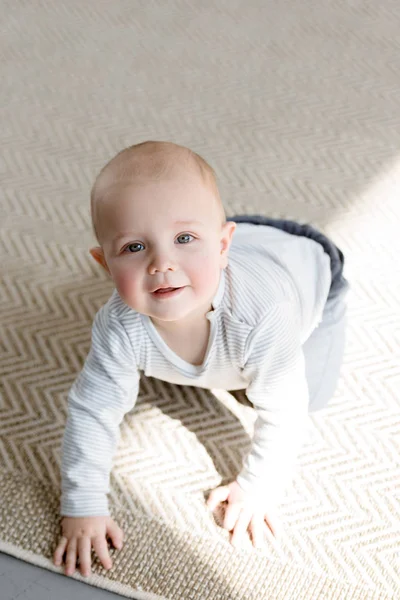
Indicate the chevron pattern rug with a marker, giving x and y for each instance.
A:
(296, 106)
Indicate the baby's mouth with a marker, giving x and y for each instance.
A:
(162, 291)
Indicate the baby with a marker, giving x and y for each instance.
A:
(270, 320)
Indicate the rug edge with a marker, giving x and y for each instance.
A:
(94, 580)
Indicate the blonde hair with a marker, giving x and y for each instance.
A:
(154, 161)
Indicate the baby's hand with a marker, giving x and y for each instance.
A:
(79, 534)
(244, 512)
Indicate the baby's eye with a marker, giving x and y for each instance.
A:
(184, 235)
(130, 247)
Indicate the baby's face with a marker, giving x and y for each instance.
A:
(165, 234)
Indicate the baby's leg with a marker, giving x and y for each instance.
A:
(323, 352)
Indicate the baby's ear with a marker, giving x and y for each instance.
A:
(98, 256)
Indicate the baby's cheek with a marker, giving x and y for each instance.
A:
(125, 283)
(203, 278)
(206, 275)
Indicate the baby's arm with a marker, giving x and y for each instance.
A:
(105, 390)
(274, 365)
(278, 390)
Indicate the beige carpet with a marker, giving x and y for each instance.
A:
(296, 105)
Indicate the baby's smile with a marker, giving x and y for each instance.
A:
(163, 294)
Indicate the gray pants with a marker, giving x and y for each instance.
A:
(324, 349)
(323, 352)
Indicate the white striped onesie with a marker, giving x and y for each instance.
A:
(269, 300)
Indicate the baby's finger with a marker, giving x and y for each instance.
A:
(70, 561)
(273, 525)
(59, 551)
(85, 559)
(101, 548)
(231, 516)
(257, 529)
(116, 534)
(240, 530)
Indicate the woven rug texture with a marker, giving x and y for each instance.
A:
(296, 105)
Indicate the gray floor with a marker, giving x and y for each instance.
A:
(20, 580)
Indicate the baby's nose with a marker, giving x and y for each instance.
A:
(162, 263)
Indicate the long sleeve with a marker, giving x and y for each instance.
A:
(104, 391)
(278, 390)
